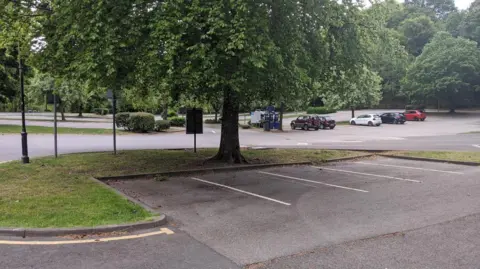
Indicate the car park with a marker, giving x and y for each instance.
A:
(393, 117)
(415, 115)
(367, 119)
(306, 123)
(327, 122)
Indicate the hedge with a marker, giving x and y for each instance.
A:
(162, 125)
(177, 122)
(141, 122)
(121, 120)
(320, 110)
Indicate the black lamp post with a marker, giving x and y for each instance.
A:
(25, 158)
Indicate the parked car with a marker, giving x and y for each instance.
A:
(368, 119)
(327, 122)
(416, 115)
(394, 118)
(306, 122)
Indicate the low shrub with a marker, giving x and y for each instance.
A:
(172, 114)
(141, 122)
(320, 110)
(121, 120)
(212, 121)
(177, 122)
(100, 111)
(244, 126)
(162, 125)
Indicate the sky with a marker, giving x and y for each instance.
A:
(463, 4)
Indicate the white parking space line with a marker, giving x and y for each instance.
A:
(409, 167)
(367, 174)
(312, 181)
(477, 146)
(242, 191)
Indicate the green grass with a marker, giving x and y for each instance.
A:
(53, 192)
(58, 119)
(443, 155)
(16, 129)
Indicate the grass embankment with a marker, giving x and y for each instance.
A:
(16, 129)
(443, 155)
(53, 192)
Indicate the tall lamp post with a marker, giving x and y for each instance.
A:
(25, 158)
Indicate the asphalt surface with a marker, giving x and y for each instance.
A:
(328, 206)
(368, 213)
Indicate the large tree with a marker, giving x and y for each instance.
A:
(448, 70)
(417, 33)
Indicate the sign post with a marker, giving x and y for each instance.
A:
(194, 124)
(111, 95)
(55, 131)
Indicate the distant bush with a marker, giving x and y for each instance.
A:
(100, 111)
(141, 122)
(162, 125)
(244, 126)
(177, 122)
(212, 121)
(121, 120)
(172, 114)
(320, 110)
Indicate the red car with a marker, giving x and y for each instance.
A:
(306, 123)
(416, 115)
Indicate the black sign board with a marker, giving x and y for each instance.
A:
(194, 121)
(194, 124)
(50, 100)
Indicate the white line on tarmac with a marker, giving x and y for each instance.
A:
(409, 167)
(85, 241)
(312, 181)
(367, 174)
(302, 144)
(477, 146)
(242, 191)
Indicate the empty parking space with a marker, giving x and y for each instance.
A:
(252, 216)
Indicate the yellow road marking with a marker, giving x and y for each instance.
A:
(86, 241)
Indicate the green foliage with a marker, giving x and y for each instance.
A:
(357, 88)
(448, 70)
(162, 125)
(177, 121)
(121, 120)
(417, 33)
(141, 122)
(320, 110)
(172, 113)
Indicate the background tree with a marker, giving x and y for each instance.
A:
(417, 33)
(448, 69)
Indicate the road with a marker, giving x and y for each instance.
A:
(439, 132)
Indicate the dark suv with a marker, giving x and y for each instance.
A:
(306, 123)
(394, 118)
(327, 122)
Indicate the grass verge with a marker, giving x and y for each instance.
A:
(443, 155)
(53, 192)
(16, 129)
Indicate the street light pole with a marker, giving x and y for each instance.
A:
(25, 158)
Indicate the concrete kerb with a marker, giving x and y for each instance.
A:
(51, 232)
(429, 159)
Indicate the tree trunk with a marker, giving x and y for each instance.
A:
(229, 150)
(282, 107)
(216, 115)
(165, 112)
(62, 111)
(80, 112)
(353, 112)
(46, 102)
